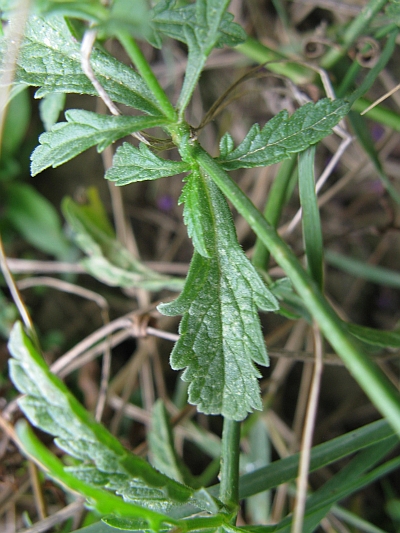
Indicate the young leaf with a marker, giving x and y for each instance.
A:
(83, 130)
(51, 407)
(131, 164)
(202, 26)
(171, 20)
(220, 329)
(107, 259)
(283, 135)
(50, 107)
(36, 219)
(50, 58)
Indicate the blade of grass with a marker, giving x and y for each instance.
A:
(355, 267)
(312, 233)
(371, 379)
(277, 198)
(322, 455)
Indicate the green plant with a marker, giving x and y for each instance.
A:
(220, 334)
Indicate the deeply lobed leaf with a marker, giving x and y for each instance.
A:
(283, 135)
(221, 337)
(50, 59)
(83, 130)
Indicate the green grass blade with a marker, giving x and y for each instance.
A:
(276, 200)
(360, 269)
(322, 455)
(312, 233)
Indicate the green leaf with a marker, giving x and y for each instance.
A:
(18, 116)
(162, 449)
(102, 500)
(361, 269)
(286, 469)
(373, 336)
(220, 331)
(202, 26)
(36, 220)
(50, 406)
(312, 233)
(283, 135)
(50, 107)
(108, 260)
(83, 130)
(131, 164)
(171, 21)
(392, 10)
(50, 58)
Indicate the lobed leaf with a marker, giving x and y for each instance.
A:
(83, 130)
(50, 59)
(202, 26)
(221, 337)
(50, 406)
(283, 135)
(170, 20)
(131, 164)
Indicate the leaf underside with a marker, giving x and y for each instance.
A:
(50, 406)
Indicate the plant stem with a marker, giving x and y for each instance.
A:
(381, 392)
(353, 31)
(140, 62)
(229, 474)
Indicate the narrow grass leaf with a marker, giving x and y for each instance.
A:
(322, 455)
(83, 130)
(221, 337)
(161, 444)
(375, 337)
(283, 135)
(361, 269)
(312, 233)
